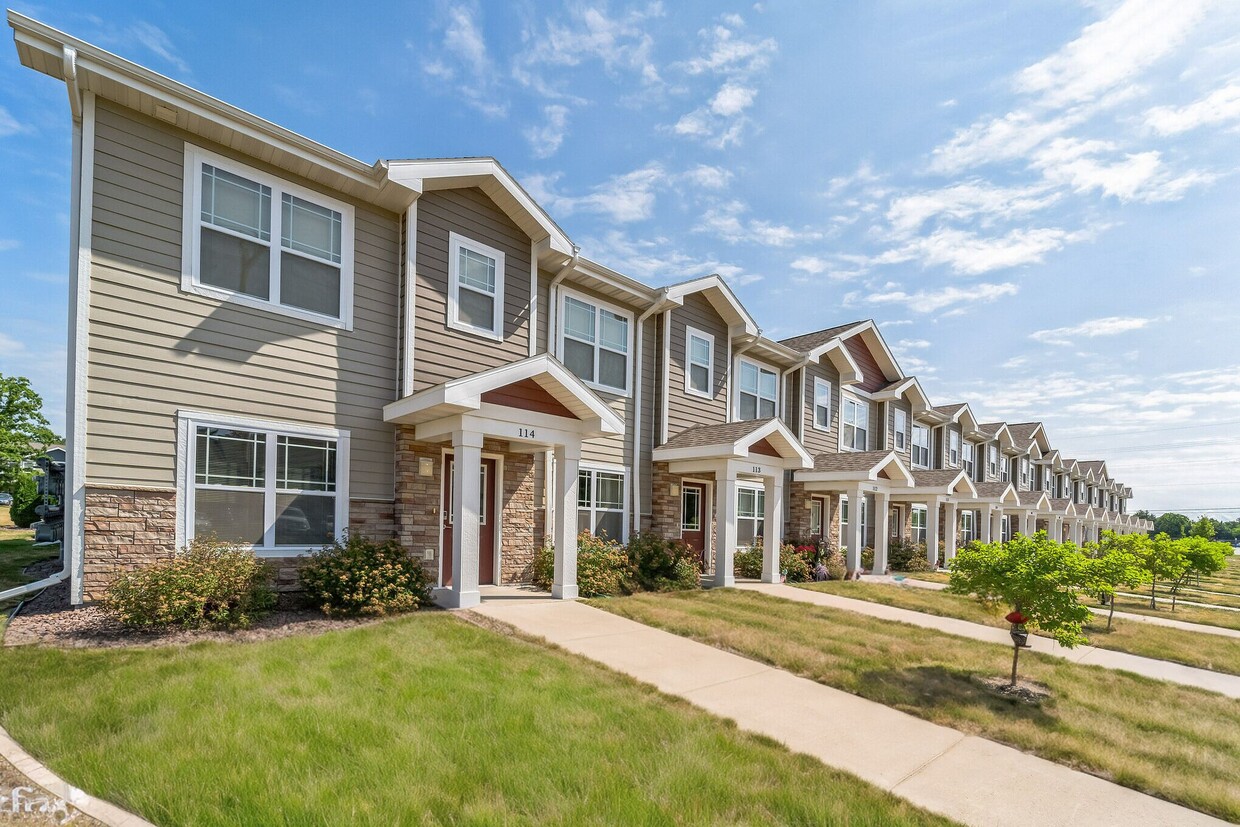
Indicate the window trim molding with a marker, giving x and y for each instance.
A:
(566, 293)
(191, 239)
(455, 242)
(900, 434)
(913, 446)
(862, 404)
(819, 381)
(625, 476)
(760, 516)
(187, 423)
(736, 404)
(690, 332)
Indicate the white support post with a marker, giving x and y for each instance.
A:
(855, 536)
(466, 507)
(772, 528)
(951, 527)
(564, 577)
(1031, 524)
(985, 524)
(882, 528)
(932, 533)
(725, 526)
(996, 525)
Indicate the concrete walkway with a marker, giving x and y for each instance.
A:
(1149, 667)
(1182, 625)
(970, 779)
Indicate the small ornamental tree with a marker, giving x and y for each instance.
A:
(24, 431)
(1117, 564)
(1164, 562)
(1202, 558)
(1035, 580)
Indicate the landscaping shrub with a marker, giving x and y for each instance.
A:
(25, 497)
(834, 565)
(867, 559)
(917, 563)
(663, 565)
(900, 552)
(361, 577)
(208, 584)
(747, 563)
(603, 567)
(793, 564)
(544, 567)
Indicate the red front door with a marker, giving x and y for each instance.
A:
(693, 516)
(486, 527)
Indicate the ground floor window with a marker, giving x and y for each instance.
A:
(1005, 529)
(690, 508)
(750, 515)
(815, 517)
(967, 529)
(600, 503)
(262, 486)
(918, 518)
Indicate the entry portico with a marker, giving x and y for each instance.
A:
(943, 490)
(1030, 504)
(532, 405)
(760, 452)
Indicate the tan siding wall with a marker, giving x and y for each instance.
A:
(816, 441)
(154, 349)
(685, 410)
(441, 353)
(948, 430)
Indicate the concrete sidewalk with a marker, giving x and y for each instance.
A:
(1149, 667)
(972, 780)
(1182, 625)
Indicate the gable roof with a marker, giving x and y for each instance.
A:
(1003, 492)
(996, 430)
(908, 386)
(721, 297)
(1025, 434)
(856, 466)
(733, 440)
(945, 481)
(808, 341)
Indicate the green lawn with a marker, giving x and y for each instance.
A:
(16, 552)
(424, 719)
(1176, 742)
(1204, 651)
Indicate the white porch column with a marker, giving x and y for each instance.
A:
(725, 526)
(951, 525)
(996, 525)
(986, 523)
(1057, 529)
(1031, 524)
(564, 578)
(772, 528)
(467, 457)
(932, 533)
(1075, 534)
(855, 537)
(881, 530)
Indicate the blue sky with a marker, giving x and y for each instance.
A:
(1037, 203)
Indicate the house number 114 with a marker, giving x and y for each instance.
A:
(525, 433)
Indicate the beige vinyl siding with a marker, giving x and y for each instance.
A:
(874, 432)
(948, 430)
(154, 349)
(440, 352)
(816, 441)
(685, 410)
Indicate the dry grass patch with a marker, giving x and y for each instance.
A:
(1176, 742)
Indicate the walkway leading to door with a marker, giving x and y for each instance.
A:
(1149, 667)
(970, 779)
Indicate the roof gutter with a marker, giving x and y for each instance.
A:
(659, 304)
(553, 295)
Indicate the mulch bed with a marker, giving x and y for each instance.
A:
(1027, 692)
(34, 805)
(49, 620)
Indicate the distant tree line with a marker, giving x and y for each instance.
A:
(1176, 526)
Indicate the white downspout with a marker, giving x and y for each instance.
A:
(634, 484)
(549, 456)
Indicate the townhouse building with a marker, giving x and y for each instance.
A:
(274, 343)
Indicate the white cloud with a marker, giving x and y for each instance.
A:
(463, 38)
(970, 254)
(725, 52)
(966, 201)
(658, 261)
(1141, 176)
(622, 44)
(721, 121)
(708, 177)
(732, 99)
(929, 301)
(810, 264)
(8, 124)
(1219, 106)
(1092, 329)
(158, 43)
(727, 222)
(545, 138)
(624, 198)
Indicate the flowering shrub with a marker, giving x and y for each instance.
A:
(833, 566)
(794, 563)
(747, 563)
(208, 584)
(360, 577)
(603, 567)
(663, 565)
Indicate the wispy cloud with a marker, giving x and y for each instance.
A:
(659, 261)
(464, 62)
(930, 301)
(545, 138)
(728, 222)
(156, 41)
(1219, 106)
(1092, 329)
(9, 125)
(624, 198)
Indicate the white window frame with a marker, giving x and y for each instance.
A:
(191, 239)
(690, 334)
(915, 448)
(968, 459)
(919, 527)
(456, 242)
(561, 322)
(864, 407)
(595, 469)
(992, 459)
(953, 448)
(759, 519)
(1024, 471)
(822, 401)
(967, 528)
(817, 517)
(760, 398)
(901, 429)
(188, 423)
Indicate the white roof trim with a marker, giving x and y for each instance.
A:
(868, 326)
(775, 430)
(677, 292)
(870, 475)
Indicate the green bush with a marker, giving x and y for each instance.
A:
(361, 577)
(25, 498)
(905, 555)
(794, 564)
(747, 563)
(867, 559)
(208, 584)
(833, 563)
(917, 564)
(544, 567)
(603, 567)
(663, 565)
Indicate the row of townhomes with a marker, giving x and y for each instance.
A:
(273, 342)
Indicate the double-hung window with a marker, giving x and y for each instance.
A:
(822, 404)
(969, 465)
(1007, 468)
(815, 517)
(921, 446)
(475, 287)
(856, 431)
(1024, 471)
(254, 239)
(992, 459)
(918, 518)
(953, 448)
(967, 529)
(595, 342)
(264, 485)
(600, 503)
(901, 427)
(699, 363)
(750, 515)
(758, 390)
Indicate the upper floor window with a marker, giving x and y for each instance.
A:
(856, 431)
(475, 287)
(595, 342)
(253, 239)
(822, 404)
(1007, 468)
(700, 359)
(901, 440)
(921, 446)
(992, 459)
(1024, 471)
(759, 388)
(969, 465)
(953, 449)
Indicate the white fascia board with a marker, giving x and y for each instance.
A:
(778, 429)
(677, 292)
(722, 450)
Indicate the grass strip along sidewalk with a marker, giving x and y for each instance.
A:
(1175, 742)
(1220, 654)
(424, 719)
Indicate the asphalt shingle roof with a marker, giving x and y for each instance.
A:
(808, 341)
(701, 435)
(934, 479)
(849, 461)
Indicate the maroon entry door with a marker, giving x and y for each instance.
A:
(818, 518)
(486, 527)
(693, 515)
